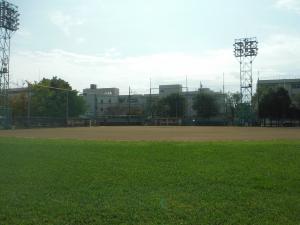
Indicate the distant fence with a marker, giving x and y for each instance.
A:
(40, 122)
(51, 122)
(278, 123)
(5, 118)
(120, 120)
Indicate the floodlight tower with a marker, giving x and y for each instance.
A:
(9, 23)
(246, 50)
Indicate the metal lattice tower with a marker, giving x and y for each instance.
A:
(245, 50)
(9, 23)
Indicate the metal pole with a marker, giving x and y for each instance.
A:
(251, 81)
(129, 101)
(223, 83)
(151, 113)
(177, 106)
(186, 84)
(28, 105)
(129, 105)
(67, 108)
(241, 82)
(224, 93)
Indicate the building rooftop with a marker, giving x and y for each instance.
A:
(101, 91)
(278, 81)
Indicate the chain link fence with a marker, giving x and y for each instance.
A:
(5, 118)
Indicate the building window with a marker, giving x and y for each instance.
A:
(296, 86)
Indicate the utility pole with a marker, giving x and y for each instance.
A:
(186, 84)
(223, 83)
(151, 113)
(225, 108)
(177, 107)
(28, 104)
(188, 108)
(95, 106)
(67, 108)
(201, 85)
(129, 104)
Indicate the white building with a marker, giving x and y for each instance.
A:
(99, 99)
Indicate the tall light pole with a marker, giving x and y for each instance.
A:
(246, 50)
(9, 23)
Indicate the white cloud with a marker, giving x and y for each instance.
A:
(279, 54)
(110, 69)
(65, 22)
(80, 40)
(289, 5)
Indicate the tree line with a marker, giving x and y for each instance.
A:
(205, 104)
(48, 98)
(275, 104)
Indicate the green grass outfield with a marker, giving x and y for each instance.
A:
(89, 182)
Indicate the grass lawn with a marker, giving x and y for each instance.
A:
(89, 182)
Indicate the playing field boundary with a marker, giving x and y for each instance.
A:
(145, 133)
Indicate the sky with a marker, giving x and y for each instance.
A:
(122, 43)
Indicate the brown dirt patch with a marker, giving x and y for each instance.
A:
(159, 133)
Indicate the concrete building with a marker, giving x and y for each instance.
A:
(291, 85)
(165, 90)
(108, 101)
(101, 91)
(99, 99)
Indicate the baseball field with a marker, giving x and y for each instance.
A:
(150, 175)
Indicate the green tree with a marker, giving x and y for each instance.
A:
(295, 108)
(257, 98)
(205, 104)
(296, 100)
(55, 98)
(19, 105)
(274, 104)
(171, 106)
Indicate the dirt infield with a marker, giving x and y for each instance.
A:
(159, 133)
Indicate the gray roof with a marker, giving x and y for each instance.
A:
(279, 81)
